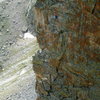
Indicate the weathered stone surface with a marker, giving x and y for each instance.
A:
(68, 32)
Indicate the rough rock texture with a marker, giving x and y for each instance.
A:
(68, 65)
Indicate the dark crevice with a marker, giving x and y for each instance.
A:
(93, 10)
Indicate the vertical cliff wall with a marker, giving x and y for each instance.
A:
(68, 65)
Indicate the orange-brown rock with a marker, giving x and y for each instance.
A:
(68, 32)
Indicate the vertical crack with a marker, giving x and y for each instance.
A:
(93, 10)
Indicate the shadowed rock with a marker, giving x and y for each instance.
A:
(68, 33)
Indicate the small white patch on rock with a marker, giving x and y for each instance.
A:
(23, 71)
(28, 35)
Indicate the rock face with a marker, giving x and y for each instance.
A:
(68, 65)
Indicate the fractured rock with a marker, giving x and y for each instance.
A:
(68, 32)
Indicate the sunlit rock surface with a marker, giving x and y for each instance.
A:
(68, 32)
(17, 46)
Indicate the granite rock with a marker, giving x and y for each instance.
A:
(68, 33)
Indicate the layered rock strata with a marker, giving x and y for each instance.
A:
(68, 65)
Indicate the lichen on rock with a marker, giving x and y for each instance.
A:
(67, 68)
